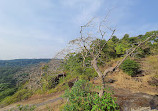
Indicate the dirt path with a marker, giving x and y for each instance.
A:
(38, 102)
(47, 102)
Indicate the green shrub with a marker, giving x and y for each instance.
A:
(130, 67)
(26, 107)
(18, 96)
(82, 99)
(7, 92)
(4, 86)
(22, 94)
(73, 64)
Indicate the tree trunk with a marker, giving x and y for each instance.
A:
(101, 76)
(84, 65)
(101, 92)
(95, 66)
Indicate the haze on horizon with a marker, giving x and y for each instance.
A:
(41, 28)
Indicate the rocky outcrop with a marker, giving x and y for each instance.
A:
(128, 102)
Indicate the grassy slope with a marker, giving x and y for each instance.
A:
(149, 66)
(32, 70)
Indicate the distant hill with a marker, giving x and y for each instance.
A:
(9, 68)
(21, 62)
(14, 73)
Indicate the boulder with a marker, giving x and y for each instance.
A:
(136, 100)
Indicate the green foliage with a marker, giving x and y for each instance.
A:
(7, 92)
(22, 94)
(26, 107)
(115, 39)
(112, 49)
(133, 40)
(108, 51)
(9, 68)
(126, 37)
(4, 86)
(143, 52)
(10, 73)
(48, 82)
(73, 65)
(154, 42)
(7, 75)
(151, 47)
(121, 48)
(82, 99)
(72, 60)
(18, 96)
(130, 67)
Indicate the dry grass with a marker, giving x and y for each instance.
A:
(138, 84)
(133, 84)
(150, 65)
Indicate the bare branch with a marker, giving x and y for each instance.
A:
(112, 69)
(139, 45)
(105, 43)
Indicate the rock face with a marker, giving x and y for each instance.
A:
(143, 109)
(136, 100)
(71, 82)
(154, 102)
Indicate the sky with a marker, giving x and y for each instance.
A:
(41, 28)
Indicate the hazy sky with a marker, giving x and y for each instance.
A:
(41, 28)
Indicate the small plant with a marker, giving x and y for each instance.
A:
(26, 107)
(130, 67)
(80, 98)
(49, 108)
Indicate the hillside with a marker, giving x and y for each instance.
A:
(111, 75)
(21, 62)
(78, 55)
(145, 81)
(9, 68)
(125, 88)
(14, 73)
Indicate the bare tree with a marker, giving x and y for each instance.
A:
(87, 47)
